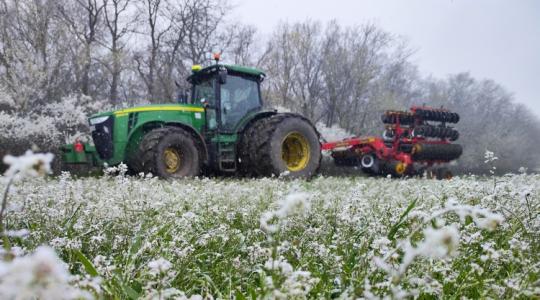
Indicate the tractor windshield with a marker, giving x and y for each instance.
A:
(239, 95)
(204, 92)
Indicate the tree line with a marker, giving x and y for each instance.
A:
(126, 52)
(118, 50)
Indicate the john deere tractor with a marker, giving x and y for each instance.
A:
(221, 127)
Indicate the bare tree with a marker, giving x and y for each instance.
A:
(281, 65)
(201, 21)
(118, 26)
(197, 28)
(34, 52)
(243, 45)
(337, 72)
(490, 120)
(83, 20)
(308, 85)
(157, 27)
(6, 44)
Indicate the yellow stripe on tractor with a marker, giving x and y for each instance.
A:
(124, 112)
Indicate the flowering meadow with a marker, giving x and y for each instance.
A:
(119, 237)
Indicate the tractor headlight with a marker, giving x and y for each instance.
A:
(98, 120)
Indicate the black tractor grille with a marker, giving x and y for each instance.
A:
(103, 138)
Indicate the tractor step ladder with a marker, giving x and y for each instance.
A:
(227, 157)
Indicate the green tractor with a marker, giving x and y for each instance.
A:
(220, 128)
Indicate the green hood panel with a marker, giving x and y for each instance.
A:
(153, 107)
(160, 107)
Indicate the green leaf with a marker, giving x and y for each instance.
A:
(137, 243)
(88, 266)
(239, 296)
(399, 223)
(132, 294)
(7, 244)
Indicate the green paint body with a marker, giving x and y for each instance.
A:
(129, 126)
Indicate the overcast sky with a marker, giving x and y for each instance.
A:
(493, 39)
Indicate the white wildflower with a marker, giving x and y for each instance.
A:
(293, 203)
(30, 164)
(299, 284)
(266, 224)
(489, 157)
(489, 221)
(159, 266)
(18, 233)
(439, 243)
(41, 275)
(280, 265)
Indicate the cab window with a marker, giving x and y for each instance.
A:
(204, 92)
(239, 95)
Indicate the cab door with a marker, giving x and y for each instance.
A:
(205, 92)
(238, 96)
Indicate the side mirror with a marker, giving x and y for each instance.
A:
(204, 103)
(222, 75)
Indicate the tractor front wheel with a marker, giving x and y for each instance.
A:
(169, 152)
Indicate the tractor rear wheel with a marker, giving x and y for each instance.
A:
(282, 145)
(169, 152)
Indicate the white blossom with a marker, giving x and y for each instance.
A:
(30, 164)
(439, 243)
(41, 275)
(159, 266)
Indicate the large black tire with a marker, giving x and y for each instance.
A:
(169, 152)
(346, 162)
(443, 173)
(346, 158)
(281, 145)
(395, 168)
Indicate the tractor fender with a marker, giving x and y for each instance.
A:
(139, 132)
(260, 115)
(269, 113)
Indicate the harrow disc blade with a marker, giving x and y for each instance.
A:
(442, 152)
(437, 115)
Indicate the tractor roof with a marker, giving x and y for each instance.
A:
(231, 68)
(246, 70)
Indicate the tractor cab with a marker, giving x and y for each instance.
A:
(231, 98)
(229, 94)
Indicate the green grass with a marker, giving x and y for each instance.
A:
(210, 231)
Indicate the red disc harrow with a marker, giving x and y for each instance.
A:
(412, 143)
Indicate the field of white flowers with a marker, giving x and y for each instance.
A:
(117, 237)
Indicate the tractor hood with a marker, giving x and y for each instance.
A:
(148, 108)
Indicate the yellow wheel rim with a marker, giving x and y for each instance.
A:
(417, 148)
(172, 160)
(295, 151)
(400, 168)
